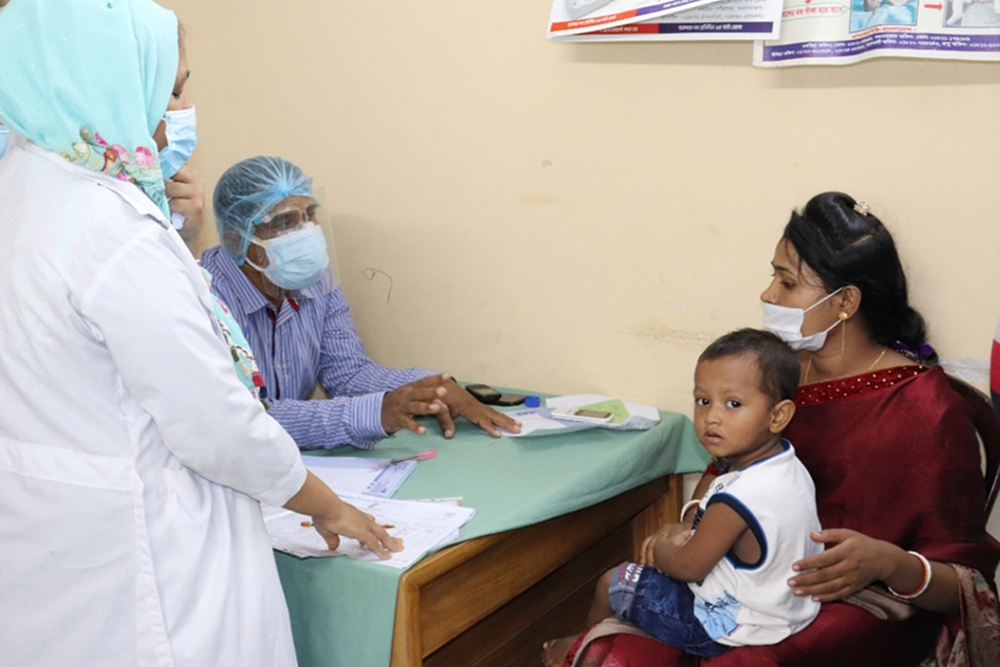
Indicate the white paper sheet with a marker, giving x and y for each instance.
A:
(538, 421)
(579, 400)
(353, 474)
(423, 526)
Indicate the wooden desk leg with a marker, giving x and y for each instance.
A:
(665, 509)
(406, 644)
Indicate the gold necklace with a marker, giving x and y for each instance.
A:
(805, 380)
(878, 359)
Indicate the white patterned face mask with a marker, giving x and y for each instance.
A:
(786, 324)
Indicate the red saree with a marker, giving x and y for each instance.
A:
(894, 456)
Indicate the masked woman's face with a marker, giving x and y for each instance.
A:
(178, 100)
(795, 285)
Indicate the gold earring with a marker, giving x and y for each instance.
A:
(843, 331)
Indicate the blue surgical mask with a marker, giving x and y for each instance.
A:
(182, 137)
(4, 138)
(294, 260)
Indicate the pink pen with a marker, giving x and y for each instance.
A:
(422, 456)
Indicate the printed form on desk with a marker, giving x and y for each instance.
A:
(626, 416)
(354, 474)
(422, 526)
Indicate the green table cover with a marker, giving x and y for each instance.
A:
(343, 610)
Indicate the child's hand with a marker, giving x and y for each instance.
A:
(646, 557)
(681, 538)
(676, 533)
(671, 529)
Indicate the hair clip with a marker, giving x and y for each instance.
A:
(924, 351)
(862, 207)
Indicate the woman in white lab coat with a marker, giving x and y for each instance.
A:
(132, 459)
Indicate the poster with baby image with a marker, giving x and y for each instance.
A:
(841, 32)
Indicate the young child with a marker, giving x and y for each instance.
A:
(719, 579)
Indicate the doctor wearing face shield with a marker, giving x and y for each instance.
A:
(133, 461)
(272, 269)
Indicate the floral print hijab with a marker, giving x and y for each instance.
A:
(90, 80)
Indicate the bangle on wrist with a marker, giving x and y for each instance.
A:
(688, 505)
(928, 575)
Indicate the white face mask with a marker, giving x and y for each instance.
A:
(182, 137)
(786, 324)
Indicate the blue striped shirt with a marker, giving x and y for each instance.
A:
(310, 340)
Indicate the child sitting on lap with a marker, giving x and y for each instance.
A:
(720, 579)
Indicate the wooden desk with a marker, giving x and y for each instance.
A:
(495, 599)
(552, 513)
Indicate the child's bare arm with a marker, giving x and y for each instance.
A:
(699, 492)
(692, 559)
(669, 530)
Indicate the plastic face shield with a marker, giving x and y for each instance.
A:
(287, 216)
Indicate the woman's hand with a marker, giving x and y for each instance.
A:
(332, 517)
(348, 520)
(850, 562)
(186, 191)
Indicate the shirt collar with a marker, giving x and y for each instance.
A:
(247, 295)
(786, 447)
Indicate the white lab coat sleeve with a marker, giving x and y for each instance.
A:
(155, 318)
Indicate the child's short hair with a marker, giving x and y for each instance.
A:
(778, 365)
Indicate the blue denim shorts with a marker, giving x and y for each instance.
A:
(661, 606)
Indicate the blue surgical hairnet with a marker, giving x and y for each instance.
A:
(245, 194)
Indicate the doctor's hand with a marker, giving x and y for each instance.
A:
(463, 404)
(401, 405)
(332, 517)
(186, 191)
(349, 521)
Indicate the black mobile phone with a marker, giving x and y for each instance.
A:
(484, 393)
(510, 399)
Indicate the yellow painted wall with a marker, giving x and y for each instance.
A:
(573, 218)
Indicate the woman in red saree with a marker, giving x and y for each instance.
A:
(894, 456)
